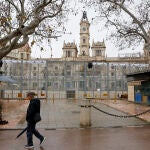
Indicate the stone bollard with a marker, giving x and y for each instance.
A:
(85, 113)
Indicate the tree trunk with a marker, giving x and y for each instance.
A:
(2, 122)
(0, 111)
(147, 51)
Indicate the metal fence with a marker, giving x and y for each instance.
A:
(56, 79)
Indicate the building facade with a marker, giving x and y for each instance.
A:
(20, 53)
(70, 76)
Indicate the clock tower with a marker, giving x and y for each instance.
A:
(84, 35)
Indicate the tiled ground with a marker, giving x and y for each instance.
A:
(66, 114)
(125, 134)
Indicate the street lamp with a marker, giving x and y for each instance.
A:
(1, 63)
(2, 122)
(90, 65)
(85, 112)
(20, 95)
(83, 54)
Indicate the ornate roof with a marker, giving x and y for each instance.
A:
(69, 45)
(84, 16)
(98, 44)
(25, 48)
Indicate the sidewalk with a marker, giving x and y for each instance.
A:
(128, 107)
(60, 125)
(64, 114)
(14, 112)
(130, 138)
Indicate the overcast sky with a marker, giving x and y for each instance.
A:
(97, 33)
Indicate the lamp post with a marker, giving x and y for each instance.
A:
(21, 78)
(38, 79)
(46, 80)
(2, 122)
(85, 112)
(1, 63)
(85, 80)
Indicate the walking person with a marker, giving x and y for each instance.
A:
(32, 110)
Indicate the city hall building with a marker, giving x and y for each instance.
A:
(76, 74)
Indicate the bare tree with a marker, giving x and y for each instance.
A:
(19, 19)
(128, 21)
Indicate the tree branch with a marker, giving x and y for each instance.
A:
(137, 21)
(54, 36)
(12, 3)
(59, 10)
(5, 50)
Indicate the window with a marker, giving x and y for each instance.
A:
(119, 83)
(49, 84)
(56, 85)
(84, 41)
(68, 73)
(34, 84)
(98, 85)
(112, 74)
(68, 85)
(112, 85)
(98, 53)
(112, 66)
(73, 84)
(28, 56)
(56, 68)
(81, 84)
(21, 55)
(84, 28)
(68, 54)
(68, 67)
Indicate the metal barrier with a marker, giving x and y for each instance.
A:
(120, 116)
(65, 79)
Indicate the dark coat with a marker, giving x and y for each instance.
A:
(33, 108)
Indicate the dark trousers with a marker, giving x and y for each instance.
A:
(30, 131)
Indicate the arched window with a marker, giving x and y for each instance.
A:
(84, 40)
(98, 53)
(68, 53)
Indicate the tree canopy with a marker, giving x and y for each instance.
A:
(128, 21)
(20, 19)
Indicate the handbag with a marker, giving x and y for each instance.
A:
(37, 117)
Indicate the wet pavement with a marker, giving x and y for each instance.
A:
(129, 107)
(65, 114)
(126, 138)
(60, 125)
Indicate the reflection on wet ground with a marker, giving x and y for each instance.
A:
(66, 114)
(126, 138)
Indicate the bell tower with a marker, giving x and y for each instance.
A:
(84, 35)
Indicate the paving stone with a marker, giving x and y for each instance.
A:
(63, 114)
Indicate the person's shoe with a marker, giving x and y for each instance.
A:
(44, 138)
(28, 146)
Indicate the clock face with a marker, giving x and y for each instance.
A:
(84, 28)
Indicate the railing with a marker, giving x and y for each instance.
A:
(42, 75)
(141, 68)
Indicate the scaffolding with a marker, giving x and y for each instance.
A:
(57, 79)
